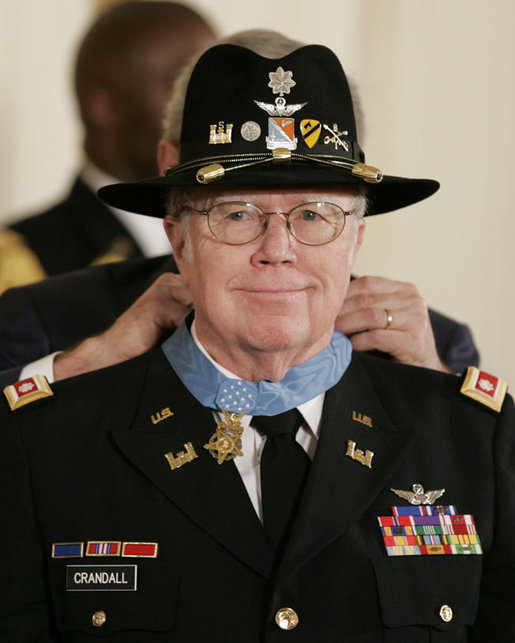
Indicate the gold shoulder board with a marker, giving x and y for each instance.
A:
(484, 388)
(27, 391)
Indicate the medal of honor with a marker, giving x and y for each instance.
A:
(225, 443)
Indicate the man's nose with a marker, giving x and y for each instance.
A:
(277, 244)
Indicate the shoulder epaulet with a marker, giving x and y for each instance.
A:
(484, 388)
(27, 391)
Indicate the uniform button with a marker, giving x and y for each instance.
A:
(446, 613)
(286, 618)
(99, 618)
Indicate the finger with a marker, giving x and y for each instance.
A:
(377, 319)
(170, 287)
(370, 284)
(392, 295)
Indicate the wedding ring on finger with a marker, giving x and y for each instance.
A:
(389, 318)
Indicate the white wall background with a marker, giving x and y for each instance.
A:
(436, 79)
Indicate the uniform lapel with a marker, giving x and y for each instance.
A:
(340, 489)
(212, 495)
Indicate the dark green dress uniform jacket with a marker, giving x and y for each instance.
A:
(89, 465)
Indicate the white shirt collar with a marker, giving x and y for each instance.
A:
(311, 410)
(147, 231)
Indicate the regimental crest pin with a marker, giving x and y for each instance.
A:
(310, 130)
(281, 128)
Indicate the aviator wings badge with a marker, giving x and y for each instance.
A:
(418, 496)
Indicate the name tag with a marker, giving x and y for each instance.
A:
(101, 578)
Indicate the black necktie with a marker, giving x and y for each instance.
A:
(284, 465)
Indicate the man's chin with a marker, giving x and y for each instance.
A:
(273, 336)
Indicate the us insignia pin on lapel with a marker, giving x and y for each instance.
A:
(27, 391)
(161, 415)
(225, 443)
(362, 419)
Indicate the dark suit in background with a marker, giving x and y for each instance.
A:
(52, 315)
(77, 232)
(89, 465)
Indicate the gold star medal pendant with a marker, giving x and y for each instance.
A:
(225, 443)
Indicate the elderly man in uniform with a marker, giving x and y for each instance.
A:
(254, 479)
(104, 304)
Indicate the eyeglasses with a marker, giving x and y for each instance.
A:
(237, 222)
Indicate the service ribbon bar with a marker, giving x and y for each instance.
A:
(433, 534)
(424, 510)
(103, 548)
(140, 550)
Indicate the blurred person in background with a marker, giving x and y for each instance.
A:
(125, 68)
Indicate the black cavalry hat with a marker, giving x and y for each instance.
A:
(255, 121)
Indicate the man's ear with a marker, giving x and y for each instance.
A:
(167, 156)
(361, 233)
(175, 232)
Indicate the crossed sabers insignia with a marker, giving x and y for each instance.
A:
(335, 138)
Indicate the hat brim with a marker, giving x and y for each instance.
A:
(150, 196)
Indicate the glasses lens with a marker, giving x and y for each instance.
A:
(235, 222)
(316, 223)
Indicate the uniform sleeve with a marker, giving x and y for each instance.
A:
(22, 335)
(454, 342)
(24, 605)
(496, 615)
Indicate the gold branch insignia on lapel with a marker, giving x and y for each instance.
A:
(363, 419)
(363, 457)
(161, 415)
(183, 457)
(225, 443)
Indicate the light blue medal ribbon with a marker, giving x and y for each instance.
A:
(216, 391)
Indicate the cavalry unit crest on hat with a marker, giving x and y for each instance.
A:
(233, 136)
